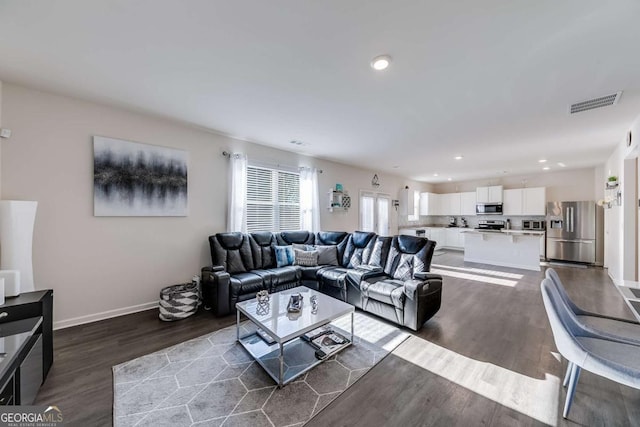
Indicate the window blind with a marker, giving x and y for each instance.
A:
(273, 200)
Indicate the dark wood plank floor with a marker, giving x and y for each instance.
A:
(500, 365)
(487, 358)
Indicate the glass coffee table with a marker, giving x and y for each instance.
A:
(289, 356)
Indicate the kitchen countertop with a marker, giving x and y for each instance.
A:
(420, 227)
(507, 232)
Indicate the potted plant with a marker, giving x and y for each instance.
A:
(612, 181)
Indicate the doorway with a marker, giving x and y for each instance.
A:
(375, 211)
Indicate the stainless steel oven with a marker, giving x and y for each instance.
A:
(489, 209)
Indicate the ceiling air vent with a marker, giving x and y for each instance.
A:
(590, 104)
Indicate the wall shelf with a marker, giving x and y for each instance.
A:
(339, 201)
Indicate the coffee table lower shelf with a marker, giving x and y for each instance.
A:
(297, 357)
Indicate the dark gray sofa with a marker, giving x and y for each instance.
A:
(386, 276)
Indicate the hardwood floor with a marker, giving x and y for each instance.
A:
(80, 380)
(487, 358)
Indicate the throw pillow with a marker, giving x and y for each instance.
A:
(404, 271)
(284, 255)
(327, 254)
(305, 258)
(302, 247)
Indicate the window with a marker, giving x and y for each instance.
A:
(374, 212)
(273, 199)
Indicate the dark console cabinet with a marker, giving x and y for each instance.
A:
(26, 338)
(33, 304)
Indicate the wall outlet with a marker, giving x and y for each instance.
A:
(5, 133)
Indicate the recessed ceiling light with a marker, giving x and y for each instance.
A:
(458, 157)
(562, 165)
(381, 62)
(395, 166)
(542, 161)
(449, 179)
(435, 174)
(546, 168)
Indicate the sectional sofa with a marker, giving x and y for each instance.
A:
(386, 276)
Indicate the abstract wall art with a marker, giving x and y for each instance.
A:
(134, 179)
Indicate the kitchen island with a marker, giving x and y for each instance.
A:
(506, 248)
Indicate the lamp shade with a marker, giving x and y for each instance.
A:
(17, 219)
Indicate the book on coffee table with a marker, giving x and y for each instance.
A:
(327, 343)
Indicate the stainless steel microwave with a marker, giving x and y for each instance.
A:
(489, 209)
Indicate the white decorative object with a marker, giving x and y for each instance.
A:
(17, 219)
(11, 282)
(1, 291)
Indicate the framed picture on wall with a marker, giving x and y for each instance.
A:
(135, 179)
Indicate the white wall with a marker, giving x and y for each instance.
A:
(574, 184)
(111, 264)
(615, 227)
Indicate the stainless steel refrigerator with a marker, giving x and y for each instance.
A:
(575, 232)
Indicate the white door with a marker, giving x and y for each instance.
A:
(375, 209)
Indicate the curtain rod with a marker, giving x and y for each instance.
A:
(228, 156)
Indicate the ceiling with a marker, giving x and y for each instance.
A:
(490, 80)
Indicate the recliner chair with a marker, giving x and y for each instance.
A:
(405, 292)
(333, 280)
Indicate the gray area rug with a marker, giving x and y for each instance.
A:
(213, 381)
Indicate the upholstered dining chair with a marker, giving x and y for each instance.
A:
(585, 349)
(550, 273)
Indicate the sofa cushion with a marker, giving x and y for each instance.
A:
(404, 271)
(384, 289)
(284, 255)
(284, 275)
(305, 258)
(302, 237)
(310, 273)
(245, 283)
(262, 249)
(331, 237)
(327, 254)
(232, 251)
(333, 276)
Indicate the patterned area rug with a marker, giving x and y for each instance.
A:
(213, 381)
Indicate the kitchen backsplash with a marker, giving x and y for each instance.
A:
(472, 221)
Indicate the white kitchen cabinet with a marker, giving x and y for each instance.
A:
(429, 204)
(438, 234)
(454, 204)
(409, 203)
(407, 231)
(450, 204)
(491, 194)
(524, 201)
(512, 202)
(452, 238)
(468, 203)
(534, 201)
(542, 246)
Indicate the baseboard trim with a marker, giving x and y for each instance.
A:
(81, 320)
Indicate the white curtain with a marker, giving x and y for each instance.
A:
(309, 200)
(237, 217)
